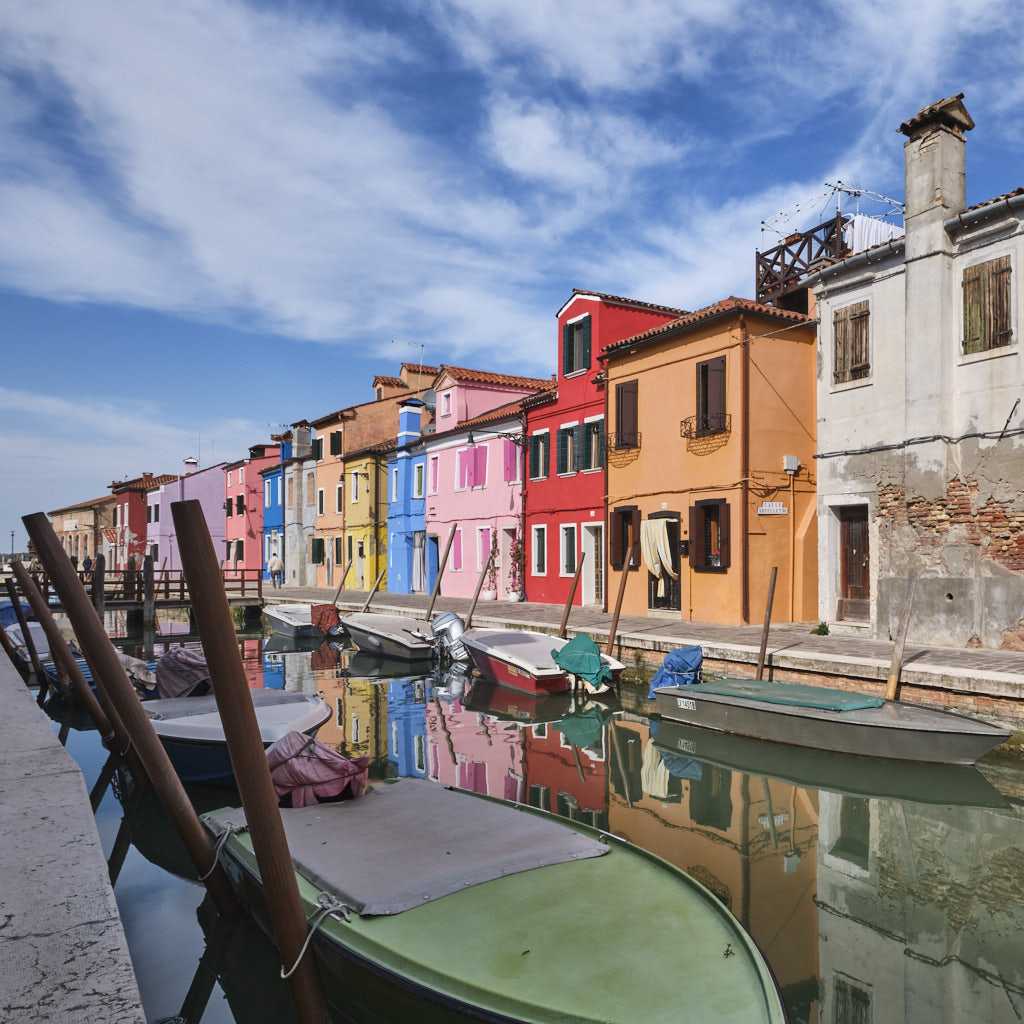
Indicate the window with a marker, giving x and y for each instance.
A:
(229, 478)
(483, 546)
(457, 551)
(627, 414)
(394, 484)
(280, 490)
(851, 1004)
(339, 496)
(320, 502)
(567, 454)
(624, 536)
(567, 550)
(987, 316)
(239, 550)
(471, 465)
(576, 346)
(318, 551)
(310, 488)
(266, 494)
(540, 455)
(149, 513)
(156, 513)
(318, 448)
(434, 462)
(709, 536)
(539, 551)
(241, 475)
(335, 442)
(851, 360)
(417, 480)
(338, 552)
(229, 506)
(446, 403)
(711, 417)
(355, 486)
(240, 504)
(592, 445)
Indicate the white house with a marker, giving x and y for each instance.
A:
(920, 456)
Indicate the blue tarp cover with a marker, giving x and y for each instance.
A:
(681, 667)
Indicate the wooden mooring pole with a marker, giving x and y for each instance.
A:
(375, 586)
(564, 626)
(117, 691)
(241, 731)
(610, 646)
(767, 621)
(26, 633)
(892, 684)
(440, 571)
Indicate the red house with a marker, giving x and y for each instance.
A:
(565, 486)
(243, 510)
(130, 517)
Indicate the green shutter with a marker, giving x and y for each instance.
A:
(577, 433)
(585, 361)
(562, 453)
(567, 366)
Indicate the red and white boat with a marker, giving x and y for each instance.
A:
(522, 659)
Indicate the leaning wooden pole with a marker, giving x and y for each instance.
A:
(344, 576)
(241, 731)
(376, 584)
(118, 692)
(63, 658)
(572, 596)
(476, 593)
(893, 682)
(767, 621)
(440, 571)
(26, 633)
(610, 646)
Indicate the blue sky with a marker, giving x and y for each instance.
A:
(220, 217)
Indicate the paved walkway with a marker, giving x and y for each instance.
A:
(63, 955)
(791, 648)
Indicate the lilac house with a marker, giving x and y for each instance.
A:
(206, 485)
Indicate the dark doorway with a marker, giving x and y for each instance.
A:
(854, 564)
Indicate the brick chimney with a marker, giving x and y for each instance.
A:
(934, 160)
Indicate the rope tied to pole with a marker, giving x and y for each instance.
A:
(330, 906)
(230, 830)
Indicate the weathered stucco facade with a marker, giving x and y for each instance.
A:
(921, 433)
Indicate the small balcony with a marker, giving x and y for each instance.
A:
(706, 425)
(623, 441)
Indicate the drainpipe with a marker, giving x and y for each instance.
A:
(745, 470)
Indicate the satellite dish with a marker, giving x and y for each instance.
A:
(430, 399)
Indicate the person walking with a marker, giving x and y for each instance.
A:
(276, 567)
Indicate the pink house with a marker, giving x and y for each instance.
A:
(243, 510)
(475, 475)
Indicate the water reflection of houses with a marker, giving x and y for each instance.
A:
(407, 726)
(750, 840)
(919, 911)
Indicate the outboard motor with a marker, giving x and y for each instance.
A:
(448, 628)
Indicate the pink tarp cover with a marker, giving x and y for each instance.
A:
(310, 771)
(181, 671)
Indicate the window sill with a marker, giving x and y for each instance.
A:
(575, 373)
(710, 568)
(990, 353)
(851, 385)
(537, 479)
(595, 469)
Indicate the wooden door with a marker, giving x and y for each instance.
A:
(854, 563)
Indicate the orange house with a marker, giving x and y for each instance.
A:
(710, 465)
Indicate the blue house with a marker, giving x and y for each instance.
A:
(411, 568)
(273, 504)
(407, 727)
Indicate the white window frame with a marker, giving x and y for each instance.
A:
(355, 487)
(581, 369)
(538, 433)
(320, 501)
(563, 528)
(268, 493)
(586, 423)
(418, 470)
(481, 555)
(241, 474)
(539, 538)
(446, 403)
(340, 495)
(394, 483)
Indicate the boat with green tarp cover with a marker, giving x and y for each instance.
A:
(829, 719)
(458, 907)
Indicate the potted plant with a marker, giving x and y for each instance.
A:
(516, 572)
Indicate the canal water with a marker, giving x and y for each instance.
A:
(878, 892)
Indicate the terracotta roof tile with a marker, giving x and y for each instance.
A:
(461, 373)
(142, 483)
(106, 499)
(394, 382)
(997, 199)
(720, 308)
(420, 368)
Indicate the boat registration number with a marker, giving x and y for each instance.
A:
(686, 704)
(687, 746)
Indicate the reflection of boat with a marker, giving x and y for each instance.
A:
(363, 665)
(522, 659)
(421, 915)
(826, 769)
(193, 734)
(502, 702)
(291, 619)
(826, 719)
(392, 636)
(278, 643)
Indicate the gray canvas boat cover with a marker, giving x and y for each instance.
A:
(404, 844)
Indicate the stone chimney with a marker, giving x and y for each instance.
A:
(934, 160)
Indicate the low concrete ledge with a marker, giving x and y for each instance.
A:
(63, 955)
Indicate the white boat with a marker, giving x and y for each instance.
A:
(39, 641)
(292, 619)
(393, 636)
(523, 659)
(192, 733)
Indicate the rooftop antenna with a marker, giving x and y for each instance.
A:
(412, 344)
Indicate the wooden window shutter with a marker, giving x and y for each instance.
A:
(585, 346)
(567, 339)
(457, 550)
(716, 387)
(724, 543)
(1002, 326)
(562, 453)
(634, 525)
(510, 461)
(616, 541)
(480, 466)
(534, 469)
(577, 433)
(986, 297)
(697, 547)
(338, 553)
(240, 503)
(850, 334)
(335, 442)
(626, 413)
(545, 454)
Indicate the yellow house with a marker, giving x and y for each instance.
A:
(710, 478)
(366, 514)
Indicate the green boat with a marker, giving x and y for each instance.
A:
(464, 908)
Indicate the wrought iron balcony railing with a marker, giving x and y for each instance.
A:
(706, 425)
(624, 440)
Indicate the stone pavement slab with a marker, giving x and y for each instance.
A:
(63, 955)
